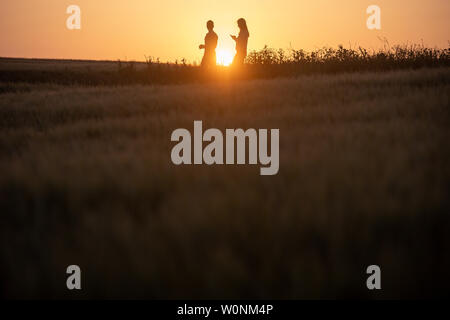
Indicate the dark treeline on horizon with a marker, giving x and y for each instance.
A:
(265, 63)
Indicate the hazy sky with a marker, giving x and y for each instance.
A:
(172, 29)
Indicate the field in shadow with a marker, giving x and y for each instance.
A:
(86, 178)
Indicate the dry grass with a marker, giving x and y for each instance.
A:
(266, 63)
(86, 179)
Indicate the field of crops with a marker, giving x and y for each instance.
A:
(87, 179)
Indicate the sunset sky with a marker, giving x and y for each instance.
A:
(173, 29)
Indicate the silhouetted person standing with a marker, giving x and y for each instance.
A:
(209, 57)
(241, 43)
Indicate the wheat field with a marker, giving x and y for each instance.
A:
(86, 178)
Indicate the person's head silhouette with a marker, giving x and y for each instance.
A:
(242, 24)
(210, 25)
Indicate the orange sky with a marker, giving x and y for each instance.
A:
(172, 29)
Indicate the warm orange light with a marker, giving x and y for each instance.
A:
(172, 30)
(224, 57)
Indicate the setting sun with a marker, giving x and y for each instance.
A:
(198, 154)
(173, 30)
(224, 57)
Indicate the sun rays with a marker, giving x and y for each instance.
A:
(224, 57)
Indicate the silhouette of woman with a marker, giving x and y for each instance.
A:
(241, 43)
(209, 56)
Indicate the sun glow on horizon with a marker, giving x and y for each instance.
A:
(171, 30)
(224, 57)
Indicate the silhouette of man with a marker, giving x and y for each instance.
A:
(241, 43)
(209, 56)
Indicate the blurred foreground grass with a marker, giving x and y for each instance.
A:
(86, 178)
